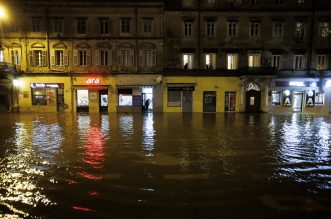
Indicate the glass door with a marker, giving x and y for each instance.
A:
(297, 102)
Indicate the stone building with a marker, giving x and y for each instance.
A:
(182, 55)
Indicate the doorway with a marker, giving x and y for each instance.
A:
(103, 100)
(147, 99)
(187, 100)
(209, 101)
(253, 101)
(297, 102)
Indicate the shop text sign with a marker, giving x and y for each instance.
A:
(93, 81)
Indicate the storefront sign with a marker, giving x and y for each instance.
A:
(297, 83)
(93, 81)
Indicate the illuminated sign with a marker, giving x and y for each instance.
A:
(93, 81)
(44, 85)
(297, 83)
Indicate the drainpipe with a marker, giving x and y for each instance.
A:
(136, 36)
(199, 36)
(47, 38)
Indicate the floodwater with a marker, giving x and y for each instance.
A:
(167, 165)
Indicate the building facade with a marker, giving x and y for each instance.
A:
(180, 55)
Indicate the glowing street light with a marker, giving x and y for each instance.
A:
(3, 13)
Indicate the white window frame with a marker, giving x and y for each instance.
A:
(298, 62)
(81, 25)
(125, 57)
(254, 60)
(254, 30)
(321, 62)
(210, 28)
(276, 61)
(188, 28)
(232, 29)
(148, 57)
(103, 26)
(15, 56)
(38, 58)
(187, 58)
(277, 29)
(104, 57)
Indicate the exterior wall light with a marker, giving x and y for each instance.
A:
(17, 83)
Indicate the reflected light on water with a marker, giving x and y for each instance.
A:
(94, 152)
(148, 141)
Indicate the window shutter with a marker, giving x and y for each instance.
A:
(12, 57)
(131, 57)
(88, 57)
(97, 57)
(75, 57)
(44, 58)
(53, 57)
(119, 58)
(109, 57)
(31, 59)
(97, 26)
(154, 57)
(65, 58)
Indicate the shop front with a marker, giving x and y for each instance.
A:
(92, 94)
(297, 95)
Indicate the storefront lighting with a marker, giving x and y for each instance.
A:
(313, 84)
(287, 92)
(328, 84)
(297, 83)
(93, 81)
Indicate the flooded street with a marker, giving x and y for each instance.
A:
(165, 166)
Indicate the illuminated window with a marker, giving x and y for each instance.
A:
(298, 62)
(324, 29)
(275, 97)
(58, 25)
(232, 29)
(187, 61)
(254, 60)
(188, 26)
(277, 29)
(275, 61)
(148, 57)
(321, 62)
(125, 97)
(14, 57)
(81, 26)
(299, 31)
(254, 29)
(147, 25)
(125, 25)
(103, 26)
(210, 59)
(210, 28)
(82, 98)
(38, 96)
(230, 101)
(232, 61)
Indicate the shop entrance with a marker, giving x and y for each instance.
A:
(147, 99)
(60, 100)
(297, 102)
(103, 100)
(209, 101)
(253, 98)
(187, 101)
(82, 100)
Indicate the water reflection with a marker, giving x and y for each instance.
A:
(148, 134)
(305, 150)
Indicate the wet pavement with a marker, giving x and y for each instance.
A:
(167, 165)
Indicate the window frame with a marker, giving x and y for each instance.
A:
(190, 60)
(277, 29)
(125, 26)
(276, 60)
(103, 26)
(188, 28)
(252, 61)
(234, 64)
(321, 66)
(81, 25)
(298, 62)
(232, 29)
(254, 29)
(210, 28)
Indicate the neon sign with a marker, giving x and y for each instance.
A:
(93, 81)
